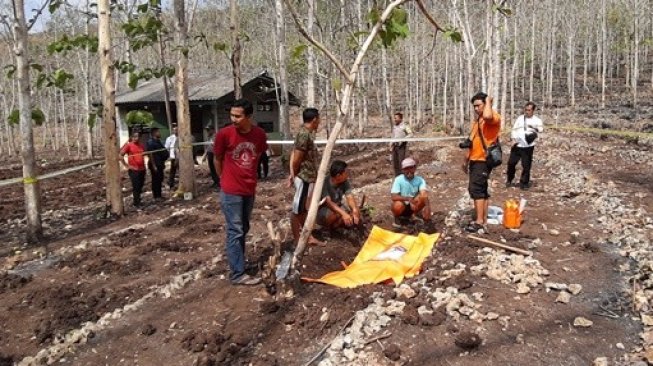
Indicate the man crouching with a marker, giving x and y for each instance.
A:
(409, 195)
(336, 186)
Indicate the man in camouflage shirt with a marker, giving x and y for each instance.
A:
(303, 171)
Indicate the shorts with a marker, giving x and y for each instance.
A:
(479, 174)
(322, 214)
(408, 211)
(302, 191)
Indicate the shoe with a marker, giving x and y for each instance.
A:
(473, 228)
(508, 184)
(524, 187)
(418, 220)
(246, 280)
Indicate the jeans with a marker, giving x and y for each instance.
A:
(237, 211)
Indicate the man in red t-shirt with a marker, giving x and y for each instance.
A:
(237, 149)
(135, 165)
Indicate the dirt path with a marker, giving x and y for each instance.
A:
(163, 269)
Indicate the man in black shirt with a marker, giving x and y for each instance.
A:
(156, 164)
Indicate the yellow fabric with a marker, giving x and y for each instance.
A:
(372, 264)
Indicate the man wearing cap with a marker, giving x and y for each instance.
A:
(409, 195)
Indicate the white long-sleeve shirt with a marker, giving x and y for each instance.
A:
(172, 144)
(519, 132)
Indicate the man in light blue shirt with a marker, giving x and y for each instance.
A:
(409, 195)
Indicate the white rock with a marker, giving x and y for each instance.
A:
(554, 232)
(523, 289)
(349, 353)
(394, 307)
(405, 291)
(600, 361)
(324, 317)
(422, 310)
(555, 286)
(620, 346)
(575, 288)
(647, 320)
(563, 297)
(582, 322)
(492, 316)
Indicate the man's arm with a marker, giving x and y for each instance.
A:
(398, 197)
(488, 113)
(353, 205)
(217, 163)
(123, 151)
(296, 159)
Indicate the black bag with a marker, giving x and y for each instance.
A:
(493, 153)
(530, 137)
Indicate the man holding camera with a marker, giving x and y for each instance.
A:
(524, 132)
(487, 127)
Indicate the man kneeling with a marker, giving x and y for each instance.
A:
(409, 195)
(331, 213)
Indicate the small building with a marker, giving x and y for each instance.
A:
(210, 98)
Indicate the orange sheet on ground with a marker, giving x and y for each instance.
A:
(385, 255)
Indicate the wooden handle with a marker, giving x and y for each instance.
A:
(502, 246)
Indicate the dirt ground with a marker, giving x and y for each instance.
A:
(152, 285)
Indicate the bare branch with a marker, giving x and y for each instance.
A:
(428, 16)
(314, 42)
(39, 11)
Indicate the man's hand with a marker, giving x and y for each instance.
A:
(356, 215)
(291, 180)
(465, 166)
(347, 219)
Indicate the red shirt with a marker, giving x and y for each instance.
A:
(241, 153)
(135, 157)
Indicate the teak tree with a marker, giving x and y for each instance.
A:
(390, 24)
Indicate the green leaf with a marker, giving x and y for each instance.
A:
(14, 117)
(132, 80)
(10, 70)
(40, 80)
(220, 46)
(54, 5)
(139, 117)
(453, 34)
(38, 116)
(142, 8)
(92, 120)
(298, 51)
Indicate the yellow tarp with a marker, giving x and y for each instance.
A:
(385, 255)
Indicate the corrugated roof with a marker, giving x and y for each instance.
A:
(200, 88)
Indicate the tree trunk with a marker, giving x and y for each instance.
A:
(186, 164)
(111, 167)
(604, 58)
(280, 31)
(310, 57)
(235, 44)
(31, 184)
(532, 60)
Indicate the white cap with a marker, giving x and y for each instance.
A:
(408, 162)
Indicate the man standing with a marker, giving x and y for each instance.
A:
(399, 131)
(486, 126)
(409, 195)
(209, 156)
(524, 132)
(172, 144)
(158, 156)
(303, 171)
(135, 165)
(336, 186)
(237, 149)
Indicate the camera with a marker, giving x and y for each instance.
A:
(465, 144)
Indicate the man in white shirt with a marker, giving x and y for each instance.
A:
(524, 133)
(400, 130)
(172, 144)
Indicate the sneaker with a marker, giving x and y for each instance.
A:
(246, 280)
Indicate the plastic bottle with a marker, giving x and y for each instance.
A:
(511, 214)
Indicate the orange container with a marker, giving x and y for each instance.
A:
(511, 214)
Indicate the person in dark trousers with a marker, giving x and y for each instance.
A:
(400, 130)
(264, 164)
(158, 156)
(524, 132)
(237, 149)
(135, 165)
(209, 156)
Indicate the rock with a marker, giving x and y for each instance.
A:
(620, 346)
(394, 307)
(468, 340)
(575, 288)
(563, 297)
(648, 355)
(647, 320)
(424, 310)
(523, 289)
(432, 320)
(554, 232)
(519, 339)
(392, 352)
(148, 330)
(405, 291)
(349, 353)
(582, 322)
(492, 316)
(324, 317)
(600, 361)
(555, 286)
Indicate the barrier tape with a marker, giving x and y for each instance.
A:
(33, 180)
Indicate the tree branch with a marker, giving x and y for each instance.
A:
(36, 16)
(314, 42)
(428, 16)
